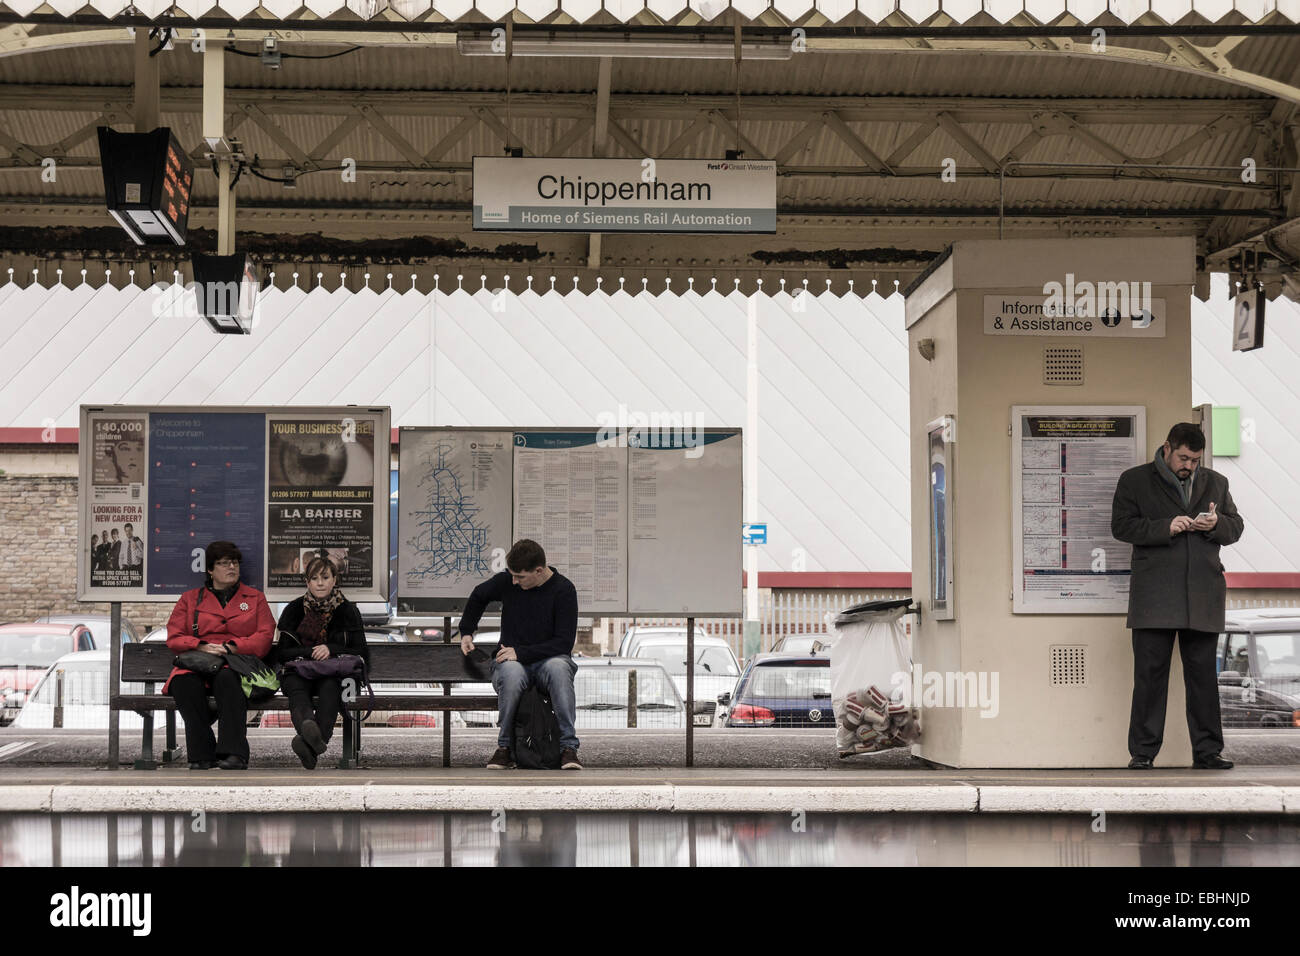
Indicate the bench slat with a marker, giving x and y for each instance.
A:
(382, 702)
(389, 663)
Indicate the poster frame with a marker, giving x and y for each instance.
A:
(380, 481)
(437, 606)
(1018, 414)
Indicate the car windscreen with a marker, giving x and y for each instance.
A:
(709, 661)
(786, 679)
(20, 649)
(1278, 655)
(606, 688)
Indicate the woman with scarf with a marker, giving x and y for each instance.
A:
(221, 617)
(325, 624)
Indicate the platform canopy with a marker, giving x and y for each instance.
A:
(896, 128)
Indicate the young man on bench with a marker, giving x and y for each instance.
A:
(539, 625)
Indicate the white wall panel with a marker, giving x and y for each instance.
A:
(833, 401)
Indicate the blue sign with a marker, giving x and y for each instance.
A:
(207, 480)
(754, 533)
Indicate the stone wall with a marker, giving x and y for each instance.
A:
(38, 538)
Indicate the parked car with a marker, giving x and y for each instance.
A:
(101, 625)
(27, 651)
(79, 681)
(638, 632)
(603, 688)
(378, 718)
(1258, 663)
(783, 690)
(716, 669)
(804, 644)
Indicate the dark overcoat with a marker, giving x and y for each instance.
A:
(1177, 580)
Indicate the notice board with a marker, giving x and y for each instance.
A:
(1065, 463)
(158, 483)
(642, 521)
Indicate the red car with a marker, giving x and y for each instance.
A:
(26, 653)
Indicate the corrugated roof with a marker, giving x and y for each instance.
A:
(624, 11)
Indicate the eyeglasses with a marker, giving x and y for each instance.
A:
(226, 563)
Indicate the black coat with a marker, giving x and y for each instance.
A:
(1177, 581)
(345, 633)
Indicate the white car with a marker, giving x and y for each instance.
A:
(85, 695)
(716, 669)
(604, 686)
(639, 632)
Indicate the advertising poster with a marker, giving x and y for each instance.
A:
(116, 551)
(117, 458)
(115, 546)
(297, 533)
(206, 479)
(1066, 462)
(320, 490)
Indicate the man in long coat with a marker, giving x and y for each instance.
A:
(1176, 515)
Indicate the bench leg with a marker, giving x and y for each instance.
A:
(351, 743)
(146, 761)
(169, 754)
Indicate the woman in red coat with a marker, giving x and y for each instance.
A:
(223, 616)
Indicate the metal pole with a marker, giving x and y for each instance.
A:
(631, 697)
(58, 699)
(114, 685)
(750, 474)
(690, 692)
(446, 689)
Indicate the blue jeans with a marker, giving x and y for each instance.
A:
(555, 676)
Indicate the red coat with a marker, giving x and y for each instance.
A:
(245, 621)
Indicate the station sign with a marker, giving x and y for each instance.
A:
(624, 195)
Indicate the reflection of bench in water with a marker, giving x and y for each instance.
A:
(392, 664)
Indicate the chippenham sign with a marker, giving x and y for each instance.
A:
(624, 195)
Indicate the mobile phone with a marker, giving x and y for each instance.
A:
(1204, 514)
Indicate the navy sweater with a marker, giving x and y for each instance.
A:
(538, 623)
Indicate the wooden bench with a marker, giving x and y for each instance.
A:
(393, 663)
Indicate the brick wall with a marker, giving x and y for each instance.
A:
(38, 538)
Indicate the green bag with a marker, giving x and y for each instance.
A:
(259, 681)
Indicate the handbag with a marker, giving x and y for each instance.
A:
(196, 661)
(255, 676)
(200, 662)
(343, 667)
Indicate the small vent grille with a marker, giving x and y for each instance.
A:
(1070, 666)
(1063, 365)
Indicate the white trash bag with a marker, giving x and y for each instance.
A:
(871, 678)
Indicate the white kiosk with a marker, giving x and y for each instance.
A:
(1027, 400)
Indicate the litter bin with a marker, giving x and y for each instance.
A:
(871, 678)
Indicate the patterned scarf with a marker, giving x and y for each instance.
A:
(316, 616)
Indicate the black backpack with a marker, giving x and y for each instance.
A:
(537, 732)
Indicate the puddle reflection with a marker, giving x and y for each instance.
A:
(519, 838)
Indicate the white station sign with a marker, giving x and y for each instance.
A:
(624, 195)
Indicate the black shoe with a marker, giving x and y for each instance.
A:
(1141, 763)
(311, 733)
(569, 759)
(304, 752)
(1212, 762)
(232, 763)
(202, 764)
(501, 760)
